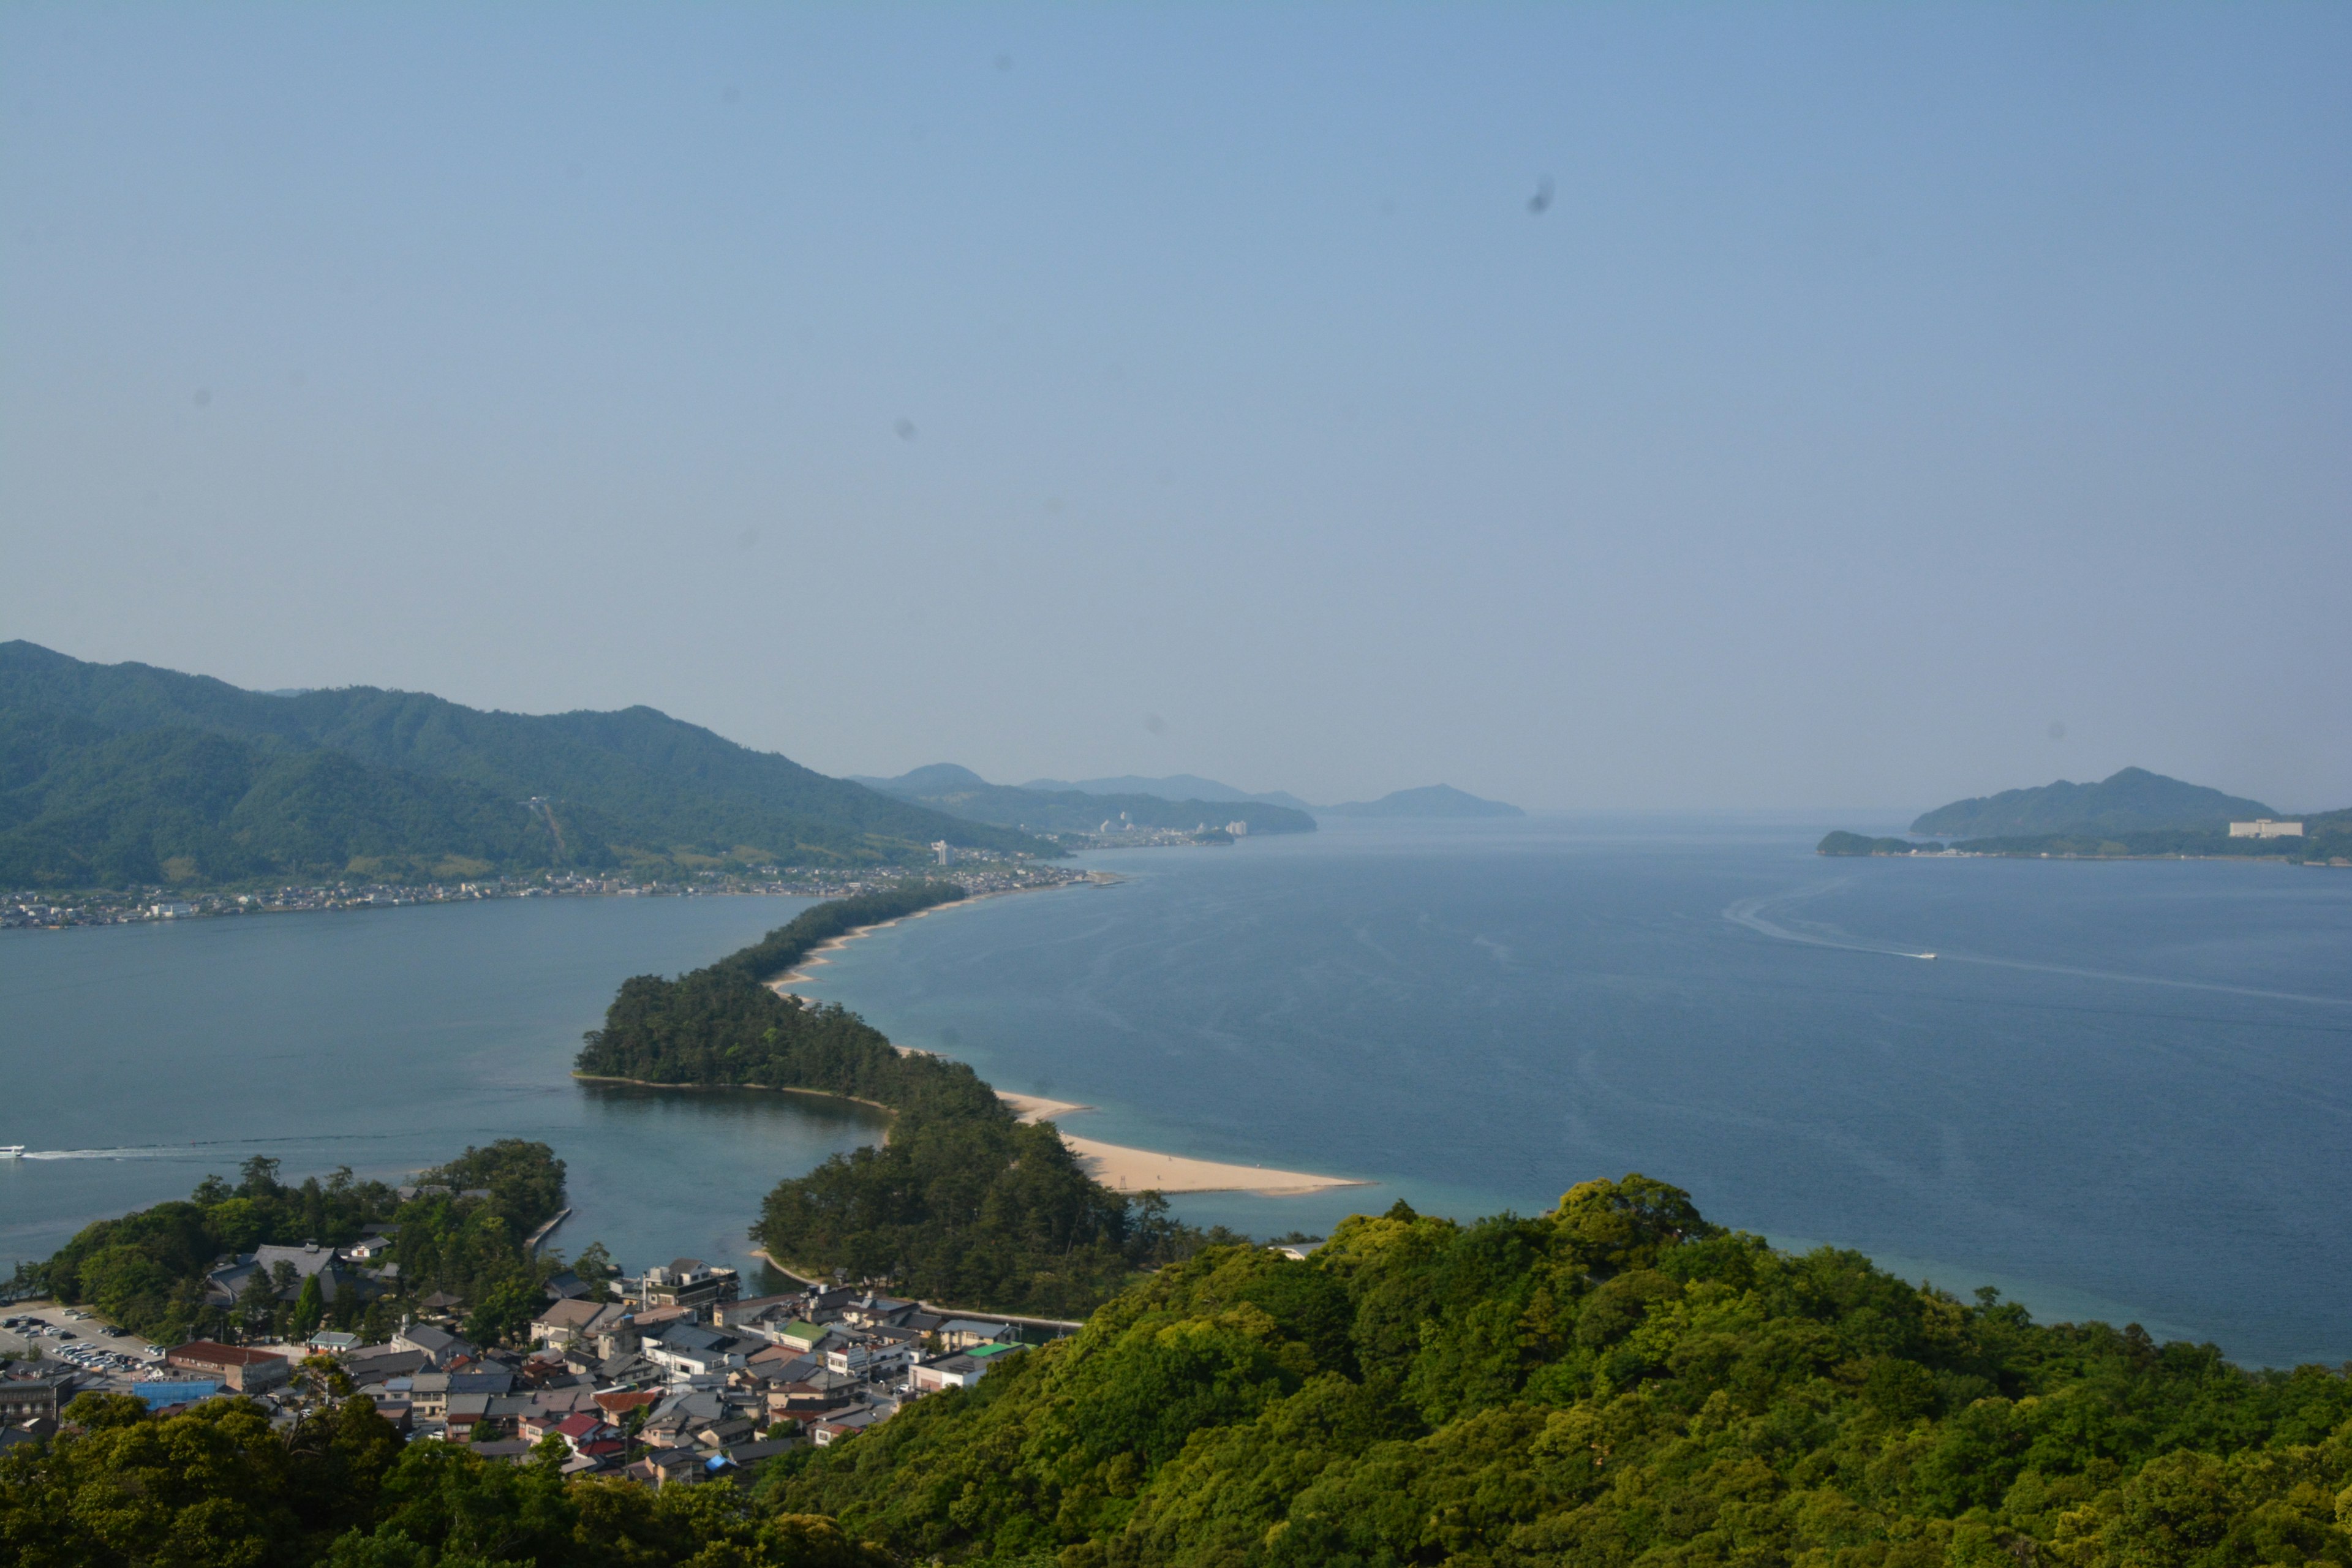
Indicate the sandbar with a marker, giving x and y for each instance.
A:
(1127, 1170)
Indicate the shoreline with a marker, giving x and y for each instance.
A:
(1124, 1169)
(814, 958)
(1118, 1166)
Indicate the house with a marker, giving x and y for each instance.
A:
(325, 1342)
(666, 1468)
(827, 1433)
(39, 1398)
(373, 1248)
(440, 1347)
(962, 1333)
(566, 1286)
(375, 1363)
(948, 1371)
(752, 1309)
(799, 1335)
(564, 1321)
(688, 1282)
(874, 1311)
(868, 1360)
(693, 1351)
(616, 1402)
(961, 1370)
(245, 1371)
(436, 1393)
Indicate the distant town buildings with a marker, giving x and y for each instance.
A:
(2264, 827)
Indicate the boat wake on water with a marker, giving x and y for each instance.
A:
(1749, 912)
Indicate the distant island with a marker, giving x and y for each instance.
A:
(2130, 813)
(1175, 786)
(127, 774)
(1429, 800)
(960, 792)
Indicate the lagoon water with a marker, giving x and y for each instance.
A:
(137, 1058)
(2118, 1090)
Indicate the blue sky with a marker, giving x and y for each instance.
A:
(1074, 391)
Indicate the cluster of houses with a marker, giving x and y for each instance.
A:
(677, 1379)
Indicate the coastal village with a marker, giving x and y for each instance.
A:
(672, 1377)
(981, 871)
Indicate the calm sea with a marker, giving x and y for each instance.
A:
(135, 1059)
(2117, 1090)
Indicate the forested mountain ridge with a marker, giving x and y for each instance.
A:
(2132, 800)
(1615, 1382)
(959, 791)
(127, 773)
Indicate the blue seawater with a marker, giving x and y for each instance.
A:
(2120, 1091)
(134, 1059)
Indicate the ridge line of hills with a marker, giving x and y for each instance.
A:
(1047, 804)
(129, 774)
(2132, 812)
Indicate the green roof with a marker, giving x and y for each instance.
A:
(983, 1351)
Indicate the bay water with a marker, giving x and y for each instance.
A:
(2116, 1091)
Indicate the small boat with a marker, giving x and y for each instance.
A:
(12, 1151)
(1923, 955)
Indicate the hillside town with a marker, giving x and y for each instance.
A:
(672, 1377)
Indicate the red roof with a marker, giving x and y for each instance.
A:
(213, 1355)
(617, 1403)
(579, 1426)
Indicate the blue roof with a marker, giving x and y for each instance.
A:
(158, 1395)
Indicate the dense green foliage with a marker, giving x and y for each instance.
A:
(1843, 843)
(1614, 1383)
(120, 775)
(963, 792)
(146, 1270)
(962, 1205)
(793, 940)
(2133, 800)
(217, 1487)
(975, 1210)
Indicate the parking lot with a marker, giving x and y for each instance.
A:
(79, 1338)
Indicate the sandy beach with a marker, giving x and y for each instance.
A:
(1127, 1170)
(1115, 1165)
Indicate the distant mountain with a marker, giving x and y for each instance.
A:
(946, 787)
(2134, 800)
(1430, 800)
(1175, 786)
(119, 775)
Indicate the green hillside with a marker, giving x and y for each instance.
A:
(1614, 1385)
(963, 792)
(119, 775)
(2134, 800)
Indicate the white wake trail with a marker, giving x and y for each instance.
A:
(1748, 913)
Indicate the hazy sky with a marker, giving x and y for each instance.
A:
(1590, 406)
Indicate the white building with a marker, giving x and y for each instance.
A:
(946, 852)
(2264, 827)
(1238, 830)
